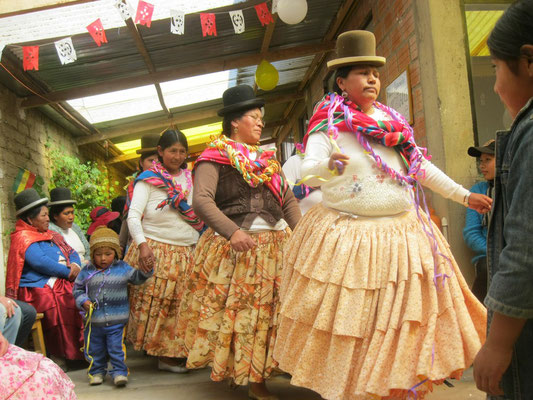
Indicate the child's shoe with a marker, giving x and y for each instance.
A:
(96, 379)
(120, 380)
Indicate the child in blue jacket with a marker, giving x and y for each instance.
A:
(475, 231)
(101, 290)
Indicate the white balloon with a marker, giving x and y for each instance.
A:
(292, 11)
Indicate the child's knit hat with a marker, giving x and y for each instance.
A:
(105, 237)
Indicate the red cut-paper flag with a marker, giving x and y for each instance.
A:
(263, 14)
(144, 13)
(31, 58)
(209, 26)
(96, 29)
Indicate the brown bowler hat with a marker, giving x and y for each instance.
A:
(149, 143)
(356, 47)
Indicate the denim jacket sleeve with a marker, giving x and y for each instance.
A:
(511, 289)
(473, 233)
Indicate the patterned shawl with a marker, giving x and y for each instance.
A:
(334, 113)
(177, 196)
(263, 169)
(22, 237)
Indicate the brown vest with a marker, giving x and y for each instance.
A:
(242, 203)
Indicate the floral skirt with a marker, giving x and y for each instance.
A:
(154, 305)
(362, 317)
(229, 313)
(30, 376)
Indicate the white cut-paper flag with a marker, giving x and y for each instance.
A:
(274, 6)
(177, 22)
(125, 10)
(1, 50)
(65, 51)
(237, 19)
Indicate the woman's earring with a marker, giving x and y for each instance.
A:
(236, 130)
(344, 94)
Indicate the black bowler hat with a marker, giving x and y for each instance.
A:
(149, 143)
(239, 98)
(487, 148)
(28, 199)
(60, 195)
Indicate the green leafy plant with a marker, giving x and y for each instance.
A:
(88, 183)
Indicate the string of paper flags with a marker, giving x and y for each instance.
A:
(289, 11)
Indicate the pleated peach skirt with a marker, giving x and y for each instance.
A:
(361, 316)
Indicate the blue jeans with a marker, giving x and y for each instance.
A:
(105, 341)
(9, 326)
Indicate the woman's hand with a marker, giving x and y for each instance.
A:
(74, 271)
(241, 241)
(479, 202)
(9, 304)
(146, 257)
(337, 162)
(87, 305)
(4, 344)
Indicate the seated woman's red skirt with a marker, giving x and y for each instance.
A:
(62, 322)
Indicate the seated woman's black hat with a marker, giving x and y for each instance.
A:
(239, 98)
(28, 199)
(60, 195)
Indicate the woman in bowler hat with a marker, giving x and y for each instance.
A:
(373, 303)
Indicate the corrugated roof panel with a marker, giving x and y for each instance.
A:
(479, 24)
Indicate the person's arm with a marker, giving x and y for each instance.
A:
(137, 276)
(124, 234)
(83, 239)
(473, 232)
(4, 344)
(78, 290)
(40, 262)
(291, 209)
(138, 204)
(205, 187)
(316, 161)
(440, 183)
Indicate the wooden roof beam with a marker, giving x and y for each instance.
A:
(199, 68)
(181, 118)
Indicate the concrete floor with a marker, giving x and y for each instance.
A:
(146, 382)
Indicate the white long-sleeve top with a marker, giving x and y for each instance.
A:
(292, 171)
(163, 225)
(364, 189)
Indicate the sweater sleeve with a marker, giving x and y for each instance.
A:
(205, 187)
(441, 183)
(78, 290)
(137, 206)
(473, 231)
(40, 262)
(136, 276)
(317, 153)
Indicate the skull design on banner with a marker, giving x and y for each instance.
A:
(177, 22)
(237, 19)
(65, 51)
(125, 10)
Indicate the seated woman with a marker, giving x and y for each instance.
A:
(41, 269)
(26, 376)
(61, 208)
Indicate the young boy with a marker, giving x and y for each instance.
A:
(101, 290)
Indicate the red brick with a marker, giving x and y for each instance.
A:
(418, 104)
(403, 57)
(407, 24)
(420, 128)
(395, 37)
(413, 47)
(414, 73)
(381, 9)
(390, 19)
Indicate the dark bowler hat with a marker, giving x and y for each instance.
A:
(149, 143)
(28, 199)
(356, 47)
(487, 148)
(239, 98)
(60, 195)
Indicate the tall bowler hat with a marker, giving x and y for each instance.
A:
(239, 98)
(28, 199)
(60, 195)
(356, 47)
(149, 143)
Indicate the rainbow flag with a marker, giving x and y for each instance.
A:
(24, 180)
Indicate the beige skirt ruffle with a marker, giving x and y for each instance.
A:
(229, 312)
(361, 317)
(154, 305)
